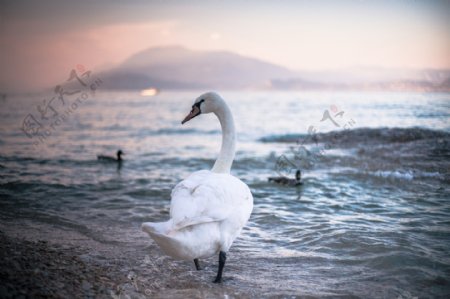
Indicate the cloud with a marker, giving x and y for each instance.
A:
(35, 61)
(215, 36)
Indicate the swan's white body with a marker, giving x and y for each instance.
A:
(209, 208)
(207, 212)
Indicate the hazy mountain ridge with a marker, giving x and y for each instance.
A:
(175, 67)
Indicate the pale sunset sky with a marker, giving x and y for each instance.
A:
(40, 41)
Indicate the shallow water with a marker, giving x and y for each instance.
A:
(372, 217)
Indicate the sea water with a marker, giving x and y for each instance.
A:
(371, 219)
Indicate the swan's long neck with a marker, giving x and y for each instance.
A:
(226, 155)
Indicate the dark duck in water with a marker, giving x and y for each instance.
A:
(118, 157)
(287, 181)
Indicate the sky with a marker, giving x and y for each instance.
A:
(41, 41)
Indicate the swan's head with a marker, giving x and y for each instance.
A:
(206, 103)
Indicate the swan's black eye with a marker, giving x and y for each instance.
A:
(198, 104)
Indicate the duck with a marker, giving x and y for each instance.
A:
(118, 157)
(209, 208)
(287, 181)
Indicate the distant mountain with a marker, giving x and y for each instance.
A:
(176, 67)
(369, 78)
(179, 68)
(358, 75)
(395, 85)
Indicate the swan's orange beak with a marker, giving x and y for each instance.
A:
(194, 112)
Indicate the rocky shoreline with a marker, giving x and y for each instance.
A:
(42, 261)
(39, 269)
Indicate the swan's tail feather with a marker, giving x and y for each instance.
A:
(161, 228)
(160, 233)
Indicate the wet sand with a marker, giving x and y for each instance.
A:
(42, 270)
(40, 261)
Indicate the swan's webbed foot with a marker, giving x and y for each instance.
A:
(197, 265)
(222, 259)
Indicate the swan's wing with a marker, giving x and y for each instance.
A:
(198, 199)
(206, 197)
(194, 221)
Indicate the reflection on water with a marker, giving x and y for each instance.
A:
(371, 218)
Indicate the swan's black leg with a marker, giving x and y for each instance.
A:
(197, 264)
(222, 259)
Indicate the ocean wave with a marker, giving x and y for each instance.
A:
(283, 138)
(405, 175)
(408, 175)
(361, 135)
(170, 131)
(183, 131)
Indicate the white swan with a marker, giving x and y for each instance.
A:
(209, 208)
